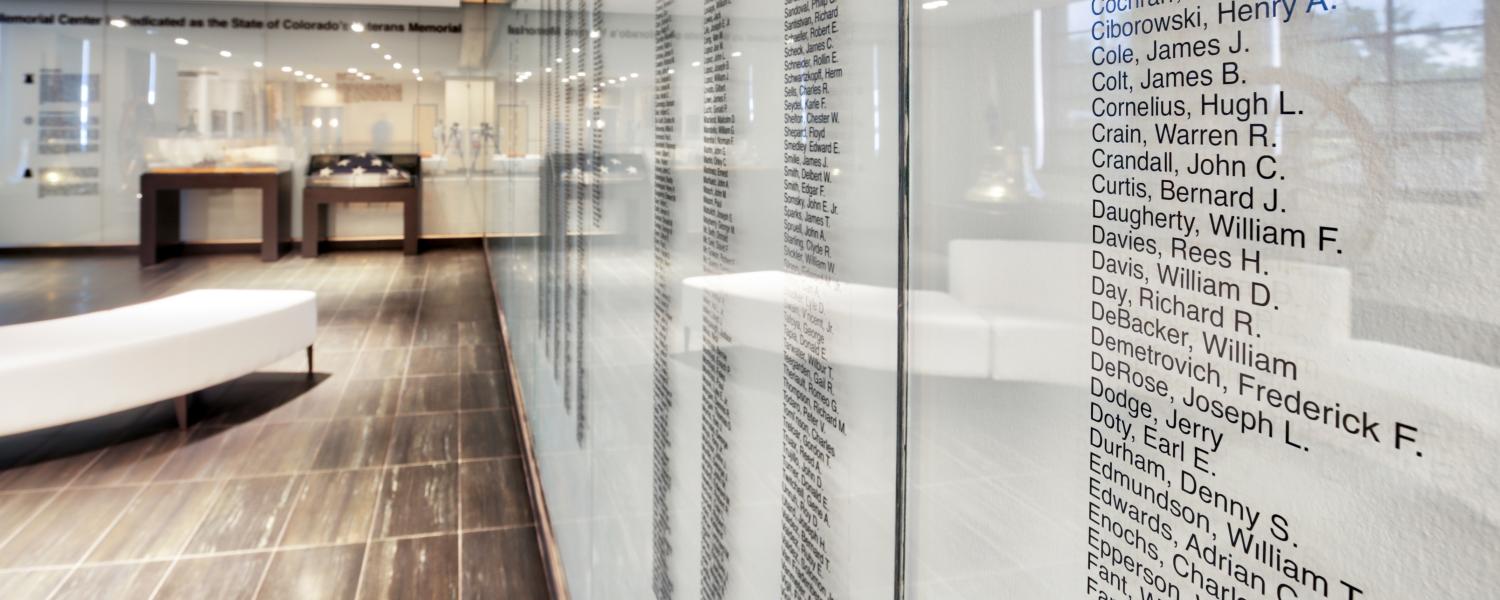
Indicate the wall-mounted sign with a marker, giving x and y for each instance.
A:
(288, 24)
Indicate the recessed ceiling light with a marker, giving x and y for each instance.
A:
(298, 72)
(356, 27)
(323, 84)
(180, 41)
(258, 64)
(352, 70)
(286, 69)
(374, 45)
(120, 23)
(225, 53)
(419, 78)
(387, 57)
(416, 71)
(396, 66)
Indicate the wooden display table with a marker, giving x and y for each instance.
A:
(161, 206)
(316, 199)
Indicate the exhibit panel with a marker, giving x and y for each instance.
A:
(705, 321)
(1235, 264)
(51, 159)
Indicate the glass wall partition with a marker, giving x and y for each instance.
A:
(1233, 261)
(700, 280)
(1195, 300)
(97, 93)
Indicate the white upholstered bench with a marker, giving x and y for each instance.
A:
(77, 368)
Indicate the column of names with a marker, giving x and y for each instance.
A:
(1191, 228)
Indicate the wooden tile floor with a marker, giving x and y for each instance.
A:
(393, 472)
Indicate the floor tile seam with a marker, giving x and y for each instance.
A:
(298, 482)
(254, 445)
(136, 498)
(375, 514)
(300, 475)
(296, 473)
(4, 544)
(266, 550)
(458, 503)
(188, 539)
(459, 484)
(336, 417)
(376, 472)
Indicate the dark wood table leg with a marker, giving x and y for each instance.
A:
(411, 237)
(161, 220)
(147, 243)
(284, 198)
(311, 226)
(270, 220)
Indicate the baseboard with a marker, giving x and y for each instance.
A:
(65, 251)
(235, 247)
(433, 243)
(557, 582)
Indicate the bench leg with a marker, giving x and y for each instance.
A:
(181, 404)
(309, 361)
